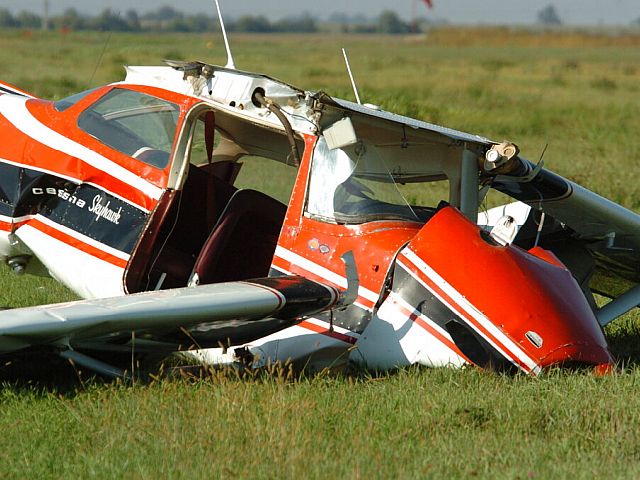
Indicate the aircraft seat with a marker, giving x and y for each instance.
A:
(202, 200)
(242, 243)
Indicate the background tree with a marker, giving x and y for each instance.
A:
(389, 22)
(28, 20)
(133, 20)
(165, 13)
(549, 16)
(302, 24)
(6, 19)
(249, 23)
(70, 19)
(109, 21)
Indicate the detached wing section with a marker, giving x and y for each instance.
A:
(205, 315)
(597, 239)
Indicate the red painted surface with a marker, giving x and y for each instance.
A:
(518, 292)
(374, 244)
(20, 148)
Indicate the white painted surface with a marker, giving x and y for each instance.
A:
(86, 275)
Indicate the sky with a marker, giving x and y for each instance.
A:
(573, 12)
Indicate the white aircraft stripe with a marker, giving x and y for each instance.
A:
(454, 308)
(15, 111)
(77, 181)
(470, 309)
(7, 88)
(84, 239)
(327, 325)
(322, 272)
(404, 304)
(6, 219)
(410, 308)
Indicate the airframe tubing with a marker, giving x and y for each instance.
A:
(621, 305)
(93, 364)
(469, 185)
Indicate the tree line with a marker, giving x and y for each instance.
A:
(168, 19)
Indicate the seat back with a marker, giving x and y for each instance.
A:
(242, 243)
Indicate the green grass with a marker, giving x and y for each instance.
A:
(579, 94)
(416, 423)
(22, 291)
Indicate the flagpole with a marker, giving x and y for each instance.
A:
(414, 25)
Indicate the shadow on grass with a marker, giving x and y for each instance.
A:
(626, 350)
(44, 371)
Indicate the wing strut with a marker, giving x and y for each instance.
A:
(93, 364)
(619, 306)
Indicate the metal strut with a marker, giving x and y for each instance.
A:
(95, 365)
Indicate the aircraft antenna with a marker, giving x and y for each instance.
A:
(353, 82)
(99, 62)
(230, 63)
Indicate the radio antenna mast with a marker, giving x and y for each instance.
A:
(230, 63)
(353, 83)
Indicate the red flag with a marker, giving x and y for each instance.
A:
(428, 3)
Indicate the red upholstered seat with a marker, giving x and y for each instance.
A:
(242, 243)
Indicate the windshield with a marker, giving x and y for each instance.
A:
(355, 185)
(136, 124)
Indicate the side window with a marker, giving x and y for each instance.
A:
(363, 183)
(136, 124)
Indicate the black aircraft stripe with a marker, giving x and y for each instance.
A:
(470, 342)
(81, 207)
(13, 92)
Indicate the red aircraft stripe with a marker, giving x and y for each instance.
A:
(42, 156)
(78, 244)
(41, 113)
(281, 298)
(285, 265)
(442, 294)
(329, 333)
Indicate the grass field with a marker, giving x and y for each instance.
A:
(576, 92)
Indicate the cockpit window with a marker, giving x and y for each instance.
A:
(355, 185)
(62, 104)
(136, 124)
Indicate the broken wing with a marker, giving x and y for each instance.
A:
(206, 315)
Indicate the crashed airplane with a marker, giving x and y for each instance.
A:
(130, 194)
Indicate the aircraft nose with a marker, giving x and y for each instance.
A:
(512, 306)
(580, 354)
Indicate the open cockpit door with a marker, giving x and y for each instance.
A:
(221, 216)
